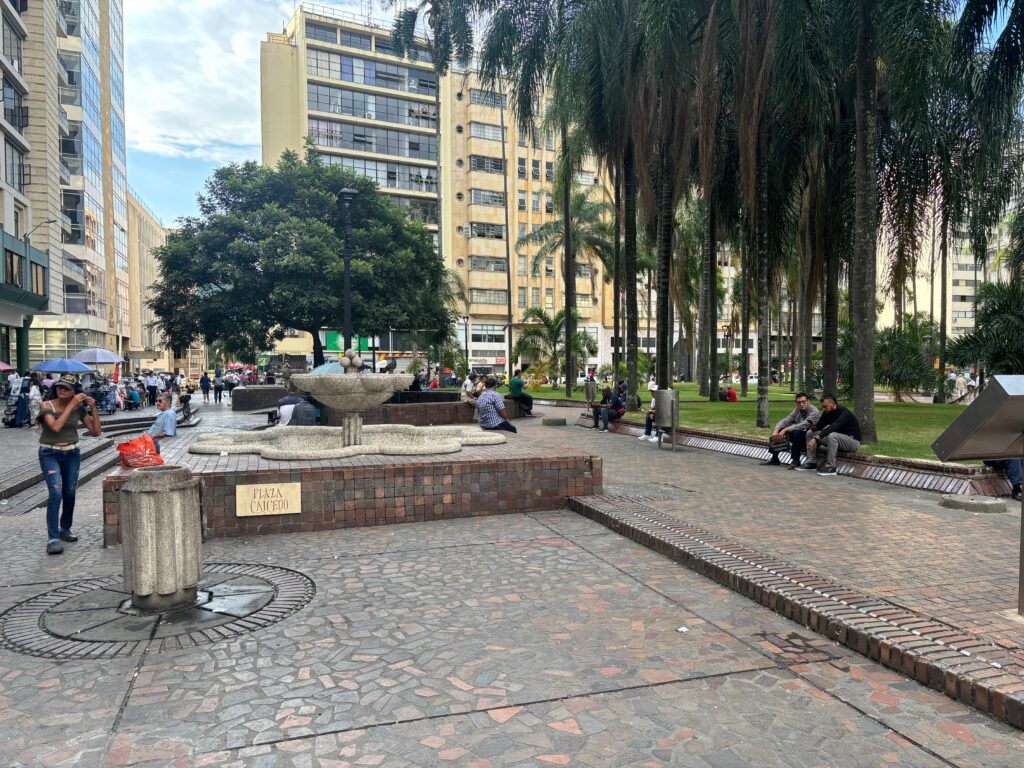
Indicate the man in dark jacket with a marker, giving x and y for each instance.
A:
(837, 429)
(611, 408)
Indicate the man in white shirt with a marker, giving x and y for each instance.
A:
(14, 382)
(152, 387)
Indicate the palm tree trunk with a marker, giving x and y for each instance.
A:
(940, 379)
(569, 268)
(700, 345)
(745, 330)
(666, 225)
(629, 229)
(617, 274)
(763, 319)
(791, 362)
(711, 305)
(830, 321)
(863, 268)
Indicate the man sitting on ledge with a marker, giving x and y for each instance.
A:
(837, 429)
(799, 422)
(491, 407)
(1012, 468)
(611, 407)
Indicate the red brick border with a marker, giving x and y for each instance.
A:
(358, 496)
(976, 672)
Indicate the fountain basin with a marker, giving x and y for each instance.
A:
(351, 391)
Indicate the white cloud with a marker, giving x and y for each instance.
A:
(192, 75)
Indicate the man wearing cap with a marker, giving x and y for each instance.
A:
(59, 457)
(491, 407)
(469, 388)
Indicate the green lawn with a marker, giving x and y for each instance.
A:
(687, 392)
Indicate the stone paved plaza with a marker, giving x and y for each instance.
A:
(531, 640)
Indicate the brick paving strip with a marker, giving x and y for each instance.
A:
(984, 675)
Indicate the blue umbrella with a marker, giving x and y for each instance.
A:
(328, 368)
(98, 356)
(62, 365)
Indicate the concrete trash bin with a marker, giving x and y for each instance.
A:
(161, 537)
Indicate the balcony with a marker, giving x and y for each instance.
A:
(63, 71)
(71, 11)
(62, 21)
(65, 172)
(62, 120)
(23, 274)
(17, 116)
(73, 268)
(71, 96)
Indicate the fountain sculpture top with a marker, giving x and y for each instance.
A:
(350, 391)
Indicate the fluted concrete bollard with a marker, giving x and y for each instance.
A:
(161, 539)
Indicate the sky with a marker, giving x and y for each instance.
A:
(192, 92)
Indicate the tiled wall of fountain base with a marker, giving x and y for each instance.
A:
(396, 491)
(417, 414)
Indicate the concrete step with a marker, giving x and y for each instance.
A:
(34, 497)
(25, 476)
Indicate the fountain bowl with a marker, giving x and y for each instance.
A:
(352, 391)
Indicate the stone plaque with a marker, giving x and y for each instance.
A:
(269, 499)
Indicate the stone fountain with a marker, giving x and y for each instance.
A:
(350, 394)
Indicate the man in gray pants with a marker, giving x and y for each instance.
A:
(837, 429)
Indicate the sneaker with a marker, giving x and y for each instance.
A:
(1016, 493)
(792, 467)
(644, 437)
(54, 547)
(68, 536)
(653, 439)
(827, 471)
(772, 462)
(602, 429)
(804, 466)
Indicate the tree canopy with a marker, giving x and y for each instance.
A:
(266, 254)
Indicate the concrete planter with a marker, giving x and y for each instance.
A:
(162, 544)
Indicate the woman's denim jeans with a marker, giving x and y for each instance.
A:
(60, 471)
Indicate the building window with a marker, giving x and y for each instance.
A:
(353, 69)
(341, 101)
(327, 133)
(535, 297)
(549, 171)
(486, 264)
(487, 296)
(486, 164)
(486, 98)
(355, 39)
(535, 202)
(549, 140)
(583, 270)
(549, 298)
(390, 175)
(321, 32)
(13, 274)
(16, 169)
(522, 139)
(486, 231)
(12, 41)
(485, 131)
(549, 205)
(522, 229)
(535, 170)
(488, 334)
(584, 300)
(522, 167)
(549, 266)
(521, 298)
(522, 199)
(521, 261)
(586, 177)
(415, 209)
(486, 197)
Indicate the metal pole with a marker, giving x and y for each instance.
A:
(348, 289)
(465, 340)
(1020, 563)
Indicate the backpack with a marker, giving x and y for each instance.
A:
(303, 415)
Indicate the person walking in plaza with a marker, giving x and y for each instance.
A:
(515, 388)
(491, 407)
(152, 385)
(218, 386)
(204, 385)
(795, 426)
(166, 424)
(837, 429)
(59, 457)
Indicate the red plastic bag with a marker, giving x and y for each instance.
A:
(140, 452)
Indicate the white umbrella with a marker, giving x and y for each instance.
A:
(98, 356)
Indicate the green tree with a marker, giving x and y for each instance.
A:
(902, 363)
(997, 342)
(542, 338)
(265, 254)
(589, 229)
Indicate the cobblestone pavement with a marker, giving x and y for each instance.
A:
(899, 544)
(520, 640)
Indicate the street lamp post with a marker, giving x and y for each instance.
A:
(345, 199)
(465, 320)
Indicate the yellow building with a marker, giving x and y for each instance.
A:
(430, 145)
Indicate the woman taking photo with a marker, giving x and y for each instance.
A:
(59, 457)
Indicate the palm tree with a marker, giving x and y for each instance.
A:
(590, 236)
(997, 342)
(542, 338)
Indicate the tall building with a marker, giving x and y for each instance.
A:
(75, 70)
(443, 146)
(145, 233)
(25, 273)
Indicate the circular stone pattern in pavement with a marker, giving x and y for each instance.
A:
(94, 618)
